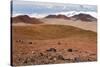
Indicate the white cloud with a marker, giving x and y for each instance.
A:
(31, 15)
(70, 13)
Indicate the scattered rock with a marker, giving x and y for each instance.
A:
(77, 59)
(70, 50)
(30, 42)
(51, 49)
(54, 58)
(41, 54)
(60, 57)
(59, 43)
(92, 54)
(20, 41)
(51, 56)
(26, 60)
(68, 59)
(33, 52)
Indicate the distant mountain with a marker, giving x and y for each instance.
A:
(83, 17)
(25, 19)
(60, 16)
(51, 16)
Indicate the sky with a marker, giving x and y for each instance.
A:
(90, 2)
(42, 8)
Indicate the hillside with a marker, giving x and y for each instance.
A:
(80, 16)
(50, 31)
(59, 16)
(25, 19)
(84, 17)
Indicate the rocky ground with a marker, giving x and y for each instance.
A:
(36, 52)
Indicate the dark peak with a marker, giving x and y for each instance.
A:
(22, 16)
(57, 16)
(51, 16)
(62, 16)
(84, 17)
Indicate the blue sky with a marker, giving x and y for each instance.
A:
(33, 7)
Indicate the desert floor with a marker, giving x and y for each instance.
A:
(53, 42)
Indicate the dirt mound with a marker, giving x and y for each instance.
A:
(25, 19)
(57, 16)
(84, 17)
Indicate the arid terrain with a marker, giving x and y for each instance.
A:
(80, 24)
(54, 41)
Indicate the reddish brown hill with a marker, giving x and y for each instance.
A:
(62, 16)
(57, 16)
(51, 16)
(84, 17)
(25, 19)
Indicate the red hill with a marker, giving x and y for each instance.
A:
(57, 16)
(84, 17)
(25, 19)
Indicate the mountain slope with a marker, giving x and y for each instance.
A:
(25, 19)
(84, 17)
